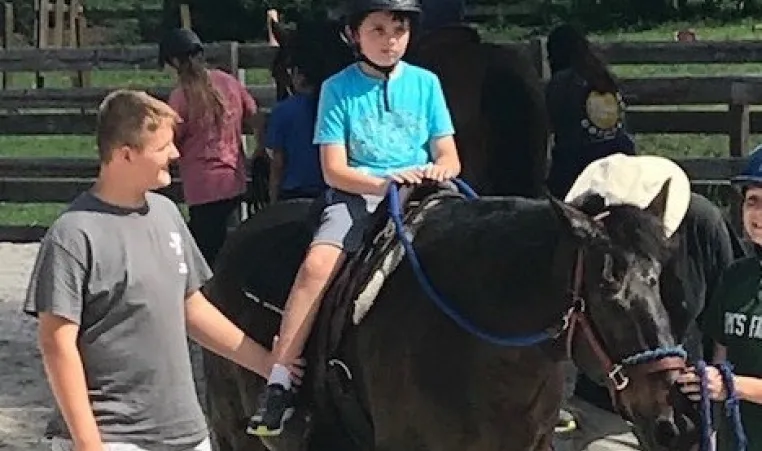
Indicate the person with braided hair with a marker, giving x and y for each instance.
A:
(214, 106)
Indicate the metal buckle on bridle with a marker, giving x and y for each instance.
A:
(617, 376)
(578, 303)
(578, 306)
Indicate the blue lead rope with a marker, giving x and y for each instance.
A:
(396, 212)
(732, 407)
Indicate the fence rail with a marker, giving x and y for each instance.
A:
(720, 105)
(53, 180)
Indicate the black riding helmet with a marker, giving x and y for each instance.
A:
(179, 42)
(359, 9)
(368, 6)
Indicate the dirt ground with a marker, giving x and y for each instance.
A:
(25, 400)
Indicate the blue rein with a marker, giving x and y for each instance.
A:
(396, 213)
(731, 405)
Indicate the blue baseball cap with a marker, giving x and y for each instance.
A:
(752, 173)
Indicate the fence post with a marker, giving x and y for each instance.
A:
(8, 39)
(232, 58)
(738, 113)
(539, 53)
(185, 17)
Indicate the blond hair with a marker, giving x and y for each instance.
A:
(125, 116)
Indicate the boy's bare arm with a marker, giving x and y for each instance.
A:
(338, 174)
(208, 327)
(63, 364)
(445, 153)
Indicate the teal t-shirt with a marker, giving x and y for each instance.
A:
(734, 319)
(352, 112)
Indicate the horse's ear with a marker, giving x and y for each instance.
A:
(658, 206)
(576, 222)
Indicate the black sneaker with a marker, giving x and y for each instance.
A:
(276, 406)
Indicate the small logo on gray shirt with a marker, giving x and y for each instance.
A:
(176, 243)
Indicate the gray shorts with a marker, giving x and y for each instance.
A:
(61, 444)
(345, 219)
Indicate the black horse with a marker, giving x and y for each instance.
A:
(389, 369)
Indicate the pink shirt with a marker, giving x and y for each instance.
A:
(212, 163)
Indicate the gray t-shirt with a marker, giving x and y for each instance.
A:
(123, 276)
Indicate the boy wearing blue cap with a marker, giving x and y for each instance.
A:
(733, 319)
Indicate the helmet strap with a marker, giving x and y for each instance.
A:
(385, 71)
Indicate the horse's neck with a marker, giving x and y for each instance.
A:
(502, 283)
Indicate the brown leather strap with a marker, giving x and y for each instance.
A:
(616, 379)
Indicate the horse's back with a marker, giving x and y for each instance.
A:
(495, 97)
(262, 257)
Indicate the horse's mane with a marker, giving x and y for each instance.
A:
(629, 228)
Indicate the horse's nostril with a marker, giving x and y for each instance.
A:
(666, 433)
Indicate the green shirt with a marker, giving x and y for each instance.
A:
(734, 319)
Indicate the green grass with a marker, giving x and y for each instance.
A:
(120, 79)
(668, 145)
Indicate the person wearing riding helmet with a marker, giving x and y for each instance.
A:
(734, 321)
(380, 121)
(213, 106)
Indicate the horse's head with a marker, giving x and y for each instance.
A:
(620, 332)
(318, 43)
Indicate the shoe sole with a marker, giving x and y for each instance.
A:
(569, 427)
(263, 431)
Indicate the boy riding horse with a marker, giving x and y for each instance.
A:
(380, 121)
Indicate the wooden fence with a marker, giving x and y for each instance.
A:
(71, 111)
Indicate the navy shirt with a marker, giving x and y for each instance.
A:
(587, 125)
(290, 130)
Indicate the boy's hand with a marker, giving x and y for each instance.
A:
(410, 177)
(439, 172)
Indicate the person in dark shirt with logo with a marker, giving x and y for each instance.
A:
(585, 106)
(734, 321)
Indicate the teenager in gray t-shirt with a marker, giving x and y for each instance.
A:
(116, 289)
(123, 275)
